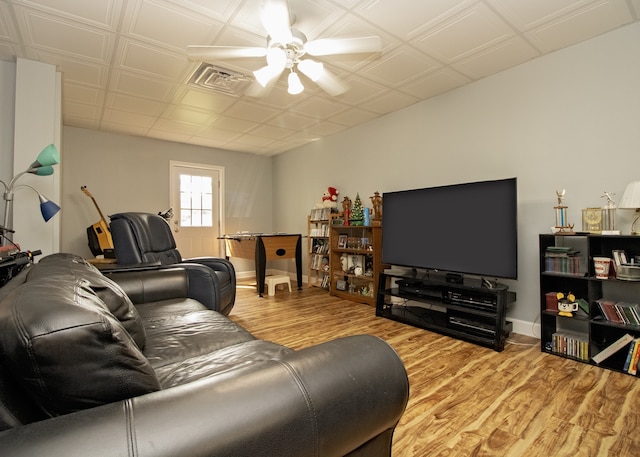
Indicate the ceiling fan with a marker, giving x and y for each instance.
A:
(287, 49)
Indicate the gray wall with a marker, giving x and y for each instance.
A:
(126, 173)
(568, 120)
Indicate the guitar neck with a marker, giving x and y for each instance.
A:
(99, 211)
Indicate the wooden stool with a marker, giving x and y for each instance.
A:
(273, 281)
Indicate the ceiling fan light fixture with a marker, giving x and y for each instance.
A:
(311, 68)
(295, 85)
(276, 57)
(264, 75)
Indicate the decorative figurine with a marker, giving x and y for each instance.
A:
(376, 201)
(346, 209)
(566, 305)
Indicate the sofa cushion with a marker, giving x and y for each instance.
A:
(68, 350)
(75, 267)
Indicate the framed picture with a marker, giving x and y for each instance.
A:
(341, 284)
(342, 241)
(619, 257)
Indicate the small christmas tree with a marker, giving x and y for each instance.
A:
(357, 215)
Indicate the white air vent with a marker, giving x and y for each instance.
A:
(219, 79)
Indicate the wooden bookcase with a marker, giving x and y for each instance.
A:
(318, 247)
(355, 262)
(588, 332)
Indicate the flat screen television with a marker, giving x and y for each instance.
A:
(468, 228)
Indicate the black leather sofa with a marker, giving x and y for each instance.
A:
(146, 239)
(127, 365)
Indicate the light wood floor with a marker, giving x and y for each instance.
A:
(467, 400)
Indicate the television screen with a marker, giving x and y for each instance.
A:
(462, 228)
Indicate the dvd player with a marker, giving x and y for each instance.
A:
(475, 300)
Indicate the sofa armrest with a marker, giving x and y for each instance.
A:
(331, 400)
(143, 285)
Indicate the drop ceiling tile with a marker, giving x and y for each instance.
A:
(593, 20)
(148, 59)
(103, 13)
(361, 89)
(325, 128)
(221, 10)
(166, 135)
(233, 124)
(469, 31)
(292, 120)
(496, 58)
(166, 24)
(215, 102)
(175, 126)
(399, 66)
(81, 122)
(7, 30)
(63, 36)
(253, 140)
(140, 85)
(273, 132)
(251, 111)
(126, 129)
(435, 83)
(354, 116)
(389, 102)
(81, 110)
(124, 118)
(319, 108)
(313, 18)
(217, 133)
(189, 115)
(406, 18)
(82, 94)
(132, 104)
(81, 71)
(526, 15)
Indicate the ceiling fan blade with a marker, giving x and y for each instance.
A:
(331, 84)
(257, 90)
(277, 21)
(224, 52)
(328, 46)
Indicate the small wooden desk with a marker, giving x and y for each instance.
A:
(265, 246)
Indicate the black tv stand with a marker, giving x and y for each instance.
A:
(467, 309)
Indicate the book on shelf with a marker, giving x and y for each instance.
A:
(572, 344)
(612, 348)
(633, 354)
(565, 260)
(321, 214)
(619, 312)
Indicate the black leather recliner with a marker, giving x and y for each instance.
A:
(146, 239)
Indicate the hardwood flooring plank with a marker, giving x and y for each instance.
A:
(467, 400)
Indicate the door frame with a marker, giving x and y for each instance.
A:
(221, 187)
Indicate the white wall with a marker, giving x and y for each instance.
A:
(569, 120)
(126, 173)
(31, 117)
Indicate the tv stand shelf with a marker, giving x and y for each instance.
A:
(466, 310)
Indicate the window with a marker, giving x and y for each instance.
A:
(196, 201)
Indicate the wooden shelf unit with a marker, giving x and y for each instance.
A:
(351, 246)
(318, 247)
(590, 331)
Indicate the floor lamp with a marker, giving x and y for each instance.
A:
(43, 166)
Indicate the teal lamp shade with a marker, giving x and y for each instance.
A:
(42, 171)
(47, 157)
(47, 208)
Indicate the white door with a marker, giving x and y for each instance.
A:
(197, 201)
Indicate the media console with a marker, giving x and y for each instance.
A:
(470, 309)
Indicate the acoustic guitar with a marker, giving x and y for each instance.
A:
(99, 234)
